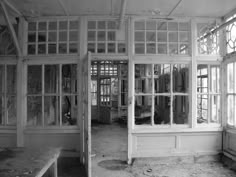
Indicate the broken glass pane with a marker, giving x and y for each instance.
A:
(143, 80)
(69, 110)
(180, 78)
(11, 79)
(73, 48)
(2, 79)
(215, 109)
(161, 78)
(69, 78)
(1, 110)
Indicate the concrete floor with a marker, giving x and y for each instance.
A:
(109, 155)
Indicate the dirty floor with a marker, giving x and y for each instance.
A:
(109, 151)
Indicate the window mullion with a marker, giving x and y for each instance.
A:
(208, 94)
(171, 95)
(234, 82)
(43, 94)
(153, 97)
(60, 95)
(5, 119)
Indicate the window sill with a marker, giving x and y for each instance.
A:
(54, 129)
(145, 129)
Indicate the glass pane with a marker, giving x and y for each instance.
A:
(42, 36)
(51, 74)
(2, 79)
(151, 36)
(31, 49)
(139, 48)
(63, 25)
(162, 36)
(11, 79)
(73, 24)
(52, 48)
(69, 78)
(91, 47)
(143, 80)
(180, 109)
(91, 36)
(121, 48)
(62, 48)
(183, 37)
(111, 25)
(52, 25)
(101, 35)
(73, 36)
(184, 49)
(1, 110)
(202, 78)
(161, 78)
(42, 49)
(73, 48)
(101, 48)
(92, 25)
(162, 110)
(32, 26)
(161, 26)
(111, 48)
(202, 109)
(151, 25)
(34, 79)
(230, 78)
(69, 110)
(143, 110)
(34, 110)
(173, 48)
(230, 109)
(183, 26)
(52, 36)
(215, 109)
(162, 48)
(42, 26)
(51, 110)
(139, 36)
(172, 26)
(215, 79)
(180, 78)
(11, 110)
(151, 48)
(101, 25)
(139, 25)
(173, 36)
(111, 36)
(31, 37)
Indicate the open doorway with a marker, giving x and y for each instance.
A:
(109, 98)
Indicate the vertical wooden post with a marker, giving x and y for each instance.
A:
(193, 76)
(21, 84)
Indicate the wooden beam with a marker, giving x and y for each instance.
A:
(122, 13)
(12, 31)
(63, 7)
(13, 8)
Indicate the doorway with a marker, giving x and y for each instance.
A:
(109, 107)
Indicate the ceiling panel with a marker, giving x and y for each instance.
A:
(188, 8)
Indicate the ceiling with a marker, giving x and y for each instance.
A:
(182, 8)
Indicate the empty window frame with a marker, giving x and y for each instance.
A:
(208, 41)
(103, 37)
(7, 94)
(161, 37)
(52, 95)
(231, 36)
(53, 37)
(161, 94)
(231, 94)
(208, 94)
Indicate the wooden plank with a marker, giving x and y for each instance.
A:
(12, 31)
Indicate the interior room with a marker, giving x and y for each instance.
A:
(114, 87)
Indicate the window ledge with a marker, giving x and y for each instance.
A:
(48, 130)
(175, 130)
